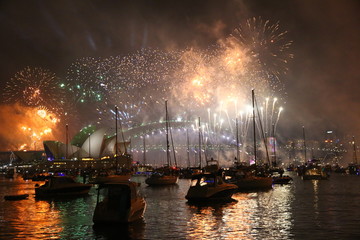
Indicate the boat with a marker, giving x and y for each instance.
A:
(105, 177)
(166, 175)
(161, 178)
(278, 176)
(314, 173)
(209, 187)
(253, 177)
(281, 179)
(248, 179)
(118, 202)
(212, 166)
(62, 186)
(16, 197)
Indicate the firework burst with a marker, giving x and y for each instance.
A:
(35, 87)
(265, 43)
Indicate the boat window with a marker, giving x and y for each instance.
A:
(194, 182)
(206, 181)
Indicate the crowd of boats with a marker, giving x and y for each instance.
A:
(119, 199)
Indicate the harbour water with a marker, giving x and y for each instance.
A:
(317, 209)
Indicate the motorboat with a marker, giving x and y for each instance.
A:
(278, 176)
(281, 179)
(118, 202)
(313, 170)
(158, 179)
(62, 186)
(209, 187)
(314, 173)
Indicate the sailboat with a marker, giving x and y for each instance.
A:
(312, 169)
(209, 186)
(108, 176)
(250, 178)
(165, 175)
(354, 167)
(276, 171)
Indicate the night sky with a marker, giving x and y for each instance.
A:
(322, 85)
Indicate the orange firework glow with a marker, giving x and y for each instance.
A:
(31, 128)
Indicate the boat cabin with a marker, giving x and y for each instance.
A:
(209, 180)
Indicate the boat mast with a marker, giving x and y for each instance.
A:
(354, 153)
(254, 127)
(167, 135)
(237, 142)
(187, 144)
(199, 143)
(116, 137)
(304, 144)
(67, 140)
(144, 150)
(274, 145)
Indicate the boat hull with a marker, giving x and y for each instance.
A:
(63, 191)
(162, 180)
(197, 195)
(254, 183)
(104, 215)
(281, 180)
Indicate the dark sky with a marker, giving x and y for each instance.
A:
(322, 85)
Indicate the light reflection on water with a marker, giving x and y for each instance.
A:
(305, 209)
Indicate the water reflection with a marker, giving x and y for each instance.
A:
(124, 231)
(32, 219)
(302, 210)
(253, 215)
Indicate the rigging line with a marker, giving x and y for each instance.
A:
(262, 133)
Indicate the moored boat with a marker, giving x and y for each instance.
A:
(62, 186)
(314, 173)
(166, 175)
(249, 183)
(118, 202)
(110, 178)
(249, 178)
(209, 187)
(281, 179)
(158, 179)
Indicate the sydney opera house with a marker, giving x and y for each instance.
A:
(86, 146)
(90, 148)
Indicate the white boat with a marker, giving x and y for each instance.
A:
(118, 202)
(62, 186)
(209, 187)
